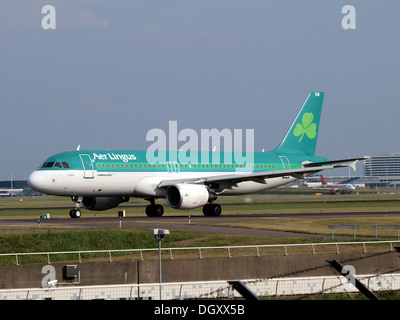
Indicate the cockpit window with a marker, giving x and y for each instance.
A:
(57, 165)
(47, 164)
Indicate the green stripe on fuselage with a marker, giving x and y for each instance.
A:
(136, 161)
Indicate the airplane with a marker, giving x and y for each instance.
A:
(103, 179)
(343, 187)
(10, 192)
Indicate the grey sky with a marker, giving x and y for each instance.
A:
(113, 70)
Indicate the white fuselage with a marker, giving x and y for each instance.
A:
(137, 184)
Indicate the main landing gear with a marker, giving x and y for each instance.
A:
(212, 210)
(157, 210)
(76, 212)
(154, 210)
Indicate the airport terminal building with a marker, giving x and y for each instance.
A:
(381, 171)
(384, 168)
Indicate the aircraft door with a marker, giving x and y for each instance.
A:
(88, 170)
(286, 164)
(173, 167)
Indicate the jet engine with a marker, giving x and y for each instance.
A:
(102, 203)
(187, 196)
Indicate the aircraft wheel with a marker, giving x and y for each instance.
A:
(158, 210)
(155, 210)
(75, 213)
(206, 209)
(215, 209)
(149, 211)
(212, 210)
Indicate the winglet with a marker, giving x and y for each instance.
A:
(353, 165)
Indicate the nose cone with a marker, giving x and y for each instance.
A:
(351, 188)
(36, 180)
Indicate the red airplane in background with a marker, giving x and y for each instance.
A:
(343, 187)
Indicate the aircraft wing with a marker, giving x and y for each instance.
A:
(230, 180)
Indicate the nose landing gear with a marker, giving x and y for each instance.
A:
(76, 212)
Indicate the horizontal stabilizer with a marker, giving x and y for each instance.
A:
(332, 162)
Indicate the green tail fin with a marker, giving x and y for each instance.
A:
(303, 133)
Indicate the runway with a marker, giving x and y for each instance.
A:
(194, 223)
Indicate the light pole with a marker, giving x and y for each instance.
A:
(159, 235)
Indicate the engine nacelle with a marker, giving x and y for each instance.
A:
(187, 196)
(102, 203)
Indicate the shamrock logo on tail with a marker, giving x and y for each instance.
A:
(306, 127)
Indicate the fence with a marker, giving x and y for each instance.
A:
(254, 249)
(356, 226)
(350, 226)
(376, 227)
(206, 290)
